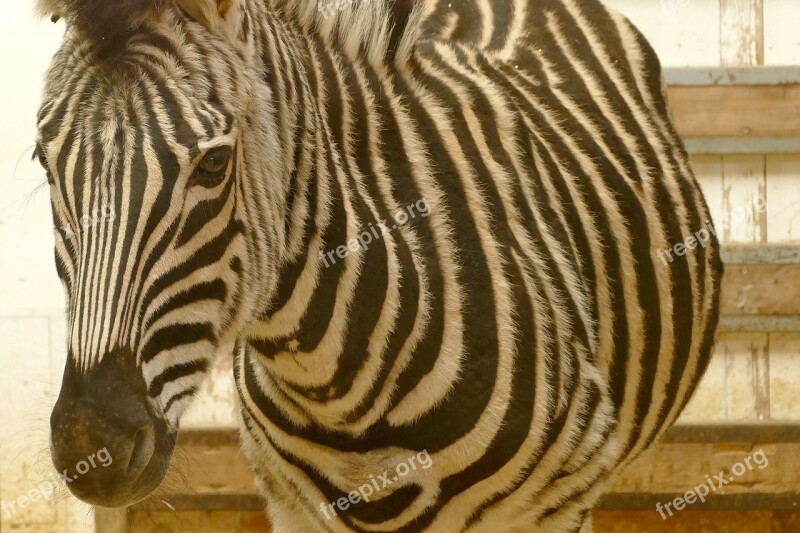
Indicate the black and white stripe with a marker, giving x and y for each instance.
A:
(525, 333)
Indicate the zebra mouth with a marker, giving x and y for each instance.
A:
(108, 445)
(145, 474)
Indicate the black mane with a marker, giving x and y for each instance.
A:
(109, 24)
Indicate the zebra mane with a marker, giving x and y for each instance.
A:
(374, 27)
(105, 21)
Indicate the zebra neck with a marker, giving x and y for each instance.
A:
(342, 279)
(285, 132)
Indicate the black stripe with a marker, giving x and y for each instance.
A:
(173, 373)
(174, 336)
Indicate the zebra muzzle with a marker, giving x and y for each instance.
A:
(106, 443)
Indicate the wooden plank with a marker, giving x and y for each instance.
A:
(217, 521)
(761, 382)
(736, 112)
(215, 405)
(707, 521)
(741, 32)
(771, 431)
(678, 463)
(744, 203)
(676, 468)
(205, 501)
(784, 375)
(783, 177)
(708, 170)
(213, 461)
(709, 400)
(110, 520)
(733, 387)
(786, 501)
(761, 290)
(209, 438)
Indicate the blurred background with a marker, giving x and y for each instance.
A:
(733, 70)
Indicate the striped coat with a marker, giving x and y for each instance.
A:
(526, 333)
(443, 250)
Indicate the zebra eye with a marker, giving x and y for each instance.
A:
(39, 154)
(212, 167)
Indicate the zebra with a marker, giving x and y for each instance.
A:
(428, 235)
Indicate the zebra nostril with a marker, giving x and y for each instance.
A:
(144, 444)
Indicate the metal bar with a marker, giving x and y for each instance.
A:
(762, 254)
(742, 145)
(733, 76)
(759, 324)
(750, 432)
(635, 501)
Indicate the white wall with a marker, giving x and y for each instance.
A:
(686, 33)
(30, 294)
(781, 32)
(25, 222)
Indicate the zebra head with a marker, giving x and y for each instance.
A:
(152, 129)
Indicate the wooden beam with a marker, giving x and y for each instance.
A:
(752, 290)
(702, 519)
(224, 440)
(110, 520)
(674, 468)
(206, 501)
(741, 32)
(737, 111)
(786, 501)
(772, 432)
(200, 520)
(678, 463)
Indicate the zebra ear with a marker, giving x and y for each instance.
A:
(224, 7)
(217, 15)
(107, 22)
(49, 8)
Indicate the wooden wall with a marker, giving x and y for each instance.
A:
(754, 199)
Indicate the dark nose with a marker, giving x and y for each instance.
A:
(103, 434)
